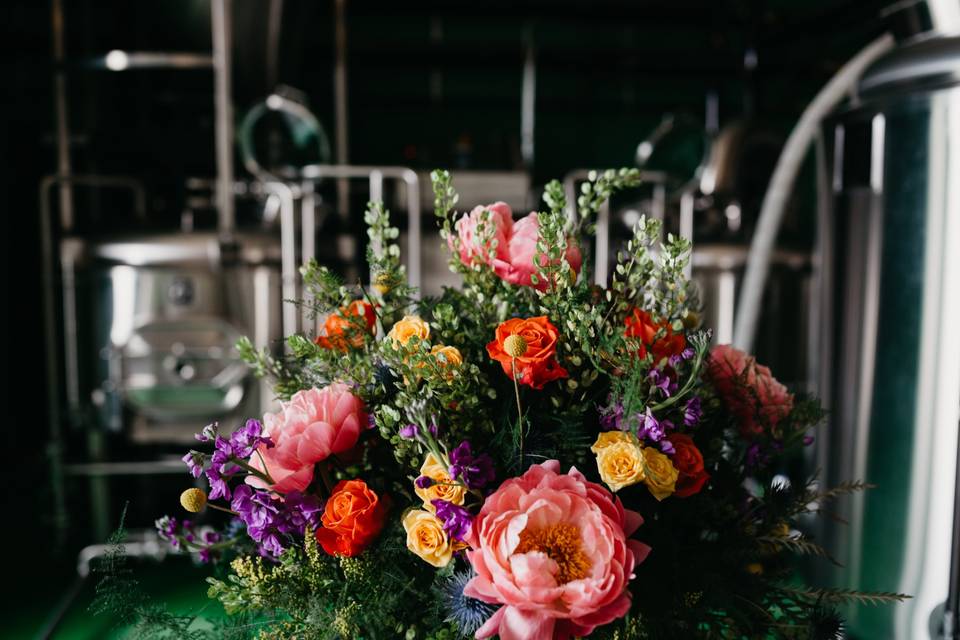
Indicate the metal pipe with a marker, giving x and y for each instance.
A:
(340, 102)
(62, 117)
(601, 257)
(412, 182)
(220, 13)
(288, 255)
(308, 236)
(118, 60)
(528, 98)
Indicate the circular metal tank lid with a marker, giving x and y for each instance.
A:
(153, 250)
(927, 64)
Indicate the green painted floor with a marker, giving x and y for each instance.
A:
(177, 583)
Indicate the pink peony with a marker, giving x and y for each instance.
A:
(313, 425)
(748, 389)
(516, 248)
(470, 250)
(553, 549)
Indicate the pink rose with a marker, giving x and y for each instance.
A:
(748, 389)
(552, 549)
(516, 248)
(312, 426)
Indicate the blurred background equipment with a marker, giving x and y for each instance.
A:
(201, 150)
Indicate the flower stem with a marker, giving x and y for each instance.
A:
(325, 476)
(516, 391)
(224, 509)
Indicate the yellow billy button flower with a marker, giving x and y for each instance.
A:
(619, 459)
(409, 327)
(515, 346)
(193, 500)
(427, 539)
(660, 474)
(442, 488)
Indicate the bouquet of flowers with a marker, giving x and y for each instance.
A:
(528, 456)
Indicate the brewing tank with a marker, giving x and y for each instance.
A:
(891, 354)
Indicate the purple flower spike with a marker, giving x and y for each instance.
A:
(424, 482)
(667, 447)
(209, 432)
(650, 428)
(475, 471)
(247, 439)
(456, 520)
(692, 412)
(808, 440)
(194, 461)
(663, 381)
(612, 418)
(410, 431)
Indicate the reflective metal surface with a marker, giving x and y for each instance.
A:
(893, 349)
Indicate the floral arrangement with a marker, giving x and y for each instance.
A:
(528, 456)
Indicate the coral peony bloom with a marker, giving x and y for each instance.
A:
(349, 327)
(657, 338)
(536, 362)
(748, 389)
(313, 425)
(689, 463)
(352, 518)
(514, 255)
(553, 549)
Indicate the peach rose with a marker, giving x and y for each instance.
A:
(409, 327)
(554, 550)
(748, 389)
(312, 426)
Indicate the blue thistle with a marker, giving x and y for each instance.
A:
(466, 612)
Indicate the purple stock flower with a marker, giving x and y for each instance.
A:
(209, 432)
(667, 447)
(663, 381)
(248, 438)
(268, 517)
(410, 431)
(194, 461)
(433, 428)
(424, 482)
(456, 520)
(475, 471)
(651, 428)
(692, 412)
(218, 486)
(675, 360)
(808, 440)
(612, 418)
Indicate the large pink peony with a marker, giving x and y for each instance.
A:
(313, 425)
(553, 549)
(513, 259)
(748, 389)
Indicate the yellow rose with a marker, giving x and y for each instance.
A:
(660, 474)
(444, 489)
(427, 539)
(619, 459)
(447, 356)
(409, 327)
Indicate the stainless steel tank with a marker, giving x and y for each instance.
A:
(163, 313)
(892, 356)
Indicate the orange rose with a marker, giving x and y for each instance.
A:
(347, 327)
(658, 337)
(352, 519)
(530, 344)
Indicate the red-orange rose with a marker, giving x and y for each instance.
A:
(348, 327)
(656, 337)
(689, 462)
(536, 363)
(352, 519)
